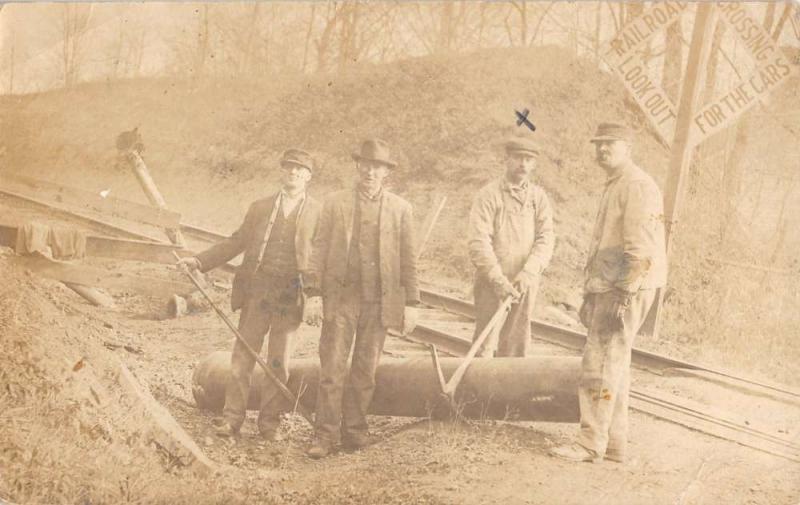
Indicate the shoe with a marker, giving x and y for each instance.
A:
(357, 442)
(319, 449)
(225, 430)
(575, 452)
(615, 456)
(271, 435)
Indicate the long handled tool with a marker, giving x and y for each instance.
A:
(271, 376)
(497, 319)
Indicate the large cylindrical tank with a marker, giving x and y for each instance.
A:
(536, 388)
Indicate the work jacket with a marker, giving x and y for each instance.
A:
(327, 268)
(627, 249)
(251, 238)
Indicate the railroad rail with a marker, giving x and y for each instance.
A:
(654, 362)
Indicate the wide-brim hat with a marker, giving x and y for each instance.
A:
(612, 131)
(297, 157)
(375, 150)
(522, 145)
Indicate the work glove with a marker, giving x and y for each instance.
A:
(410, 318)
(189, 262)
(312, 311)
(620, 301)
(524, 281)
(503, 288)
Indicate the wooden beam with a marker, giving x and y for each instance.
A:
(101, 278)
(111, 227)
(88, 201)
(159, 425)
(682, 148)
(152, 192)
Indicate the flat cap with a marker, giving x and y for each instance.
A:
(612, 131)
(298, 157)
(522, 145)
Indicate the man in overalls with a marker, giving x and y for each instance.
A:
(511, 240)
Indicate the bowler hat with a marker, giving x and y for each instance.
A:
(298, 157)
(522, 145)
(612, 131)
(375, 150)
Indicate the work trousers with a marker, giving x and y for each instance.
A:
(344, 396)
(513, 339)
(605, 372)
(256, 320)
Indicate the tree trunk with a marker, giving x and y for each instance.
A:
(769, 16)
(787, 10)
(673, 60)
(308, 33)
(713, 61)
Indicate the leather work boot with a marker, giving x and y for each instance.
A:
(575, 452)
(225, 430)
(319, 449)
(357, 441)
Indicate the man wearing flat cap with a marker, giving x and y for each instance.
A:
(626, 266)
(511, 240)
(275, 238)
(363, 265)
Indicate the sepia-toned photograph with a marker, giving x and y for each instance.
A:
(367, 252)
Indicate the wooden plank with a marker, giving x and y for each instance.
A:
(162, 428)
(113, 228)
(88, 201)
(101, 278)
(682, 146)
(202, 233)
(625, 58)
(773, 69)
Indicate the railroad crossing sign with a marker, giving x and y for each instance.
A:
(685, 125)
(627, 57)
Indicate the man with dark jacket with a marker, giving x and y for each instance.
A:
(364, 265)
(276, 238)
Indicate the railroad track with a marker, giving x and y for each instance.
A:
(666, 407)
(654, 362)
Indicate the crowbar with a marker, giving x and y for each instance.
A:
(498, 318)
(271, 376)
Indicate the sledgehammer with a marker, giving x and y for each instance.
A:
(271, 376)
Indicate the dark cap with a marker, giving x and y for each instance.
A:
(522, 145)
(297, 157)
(612, 131)
(375, 150)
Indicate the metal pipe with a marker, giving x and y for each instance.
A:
(536, 388)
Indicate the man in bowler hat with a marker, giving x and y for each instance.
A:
(363, 265)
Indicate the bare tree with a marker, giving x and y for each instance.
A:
(673, 59)
(74, 23)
